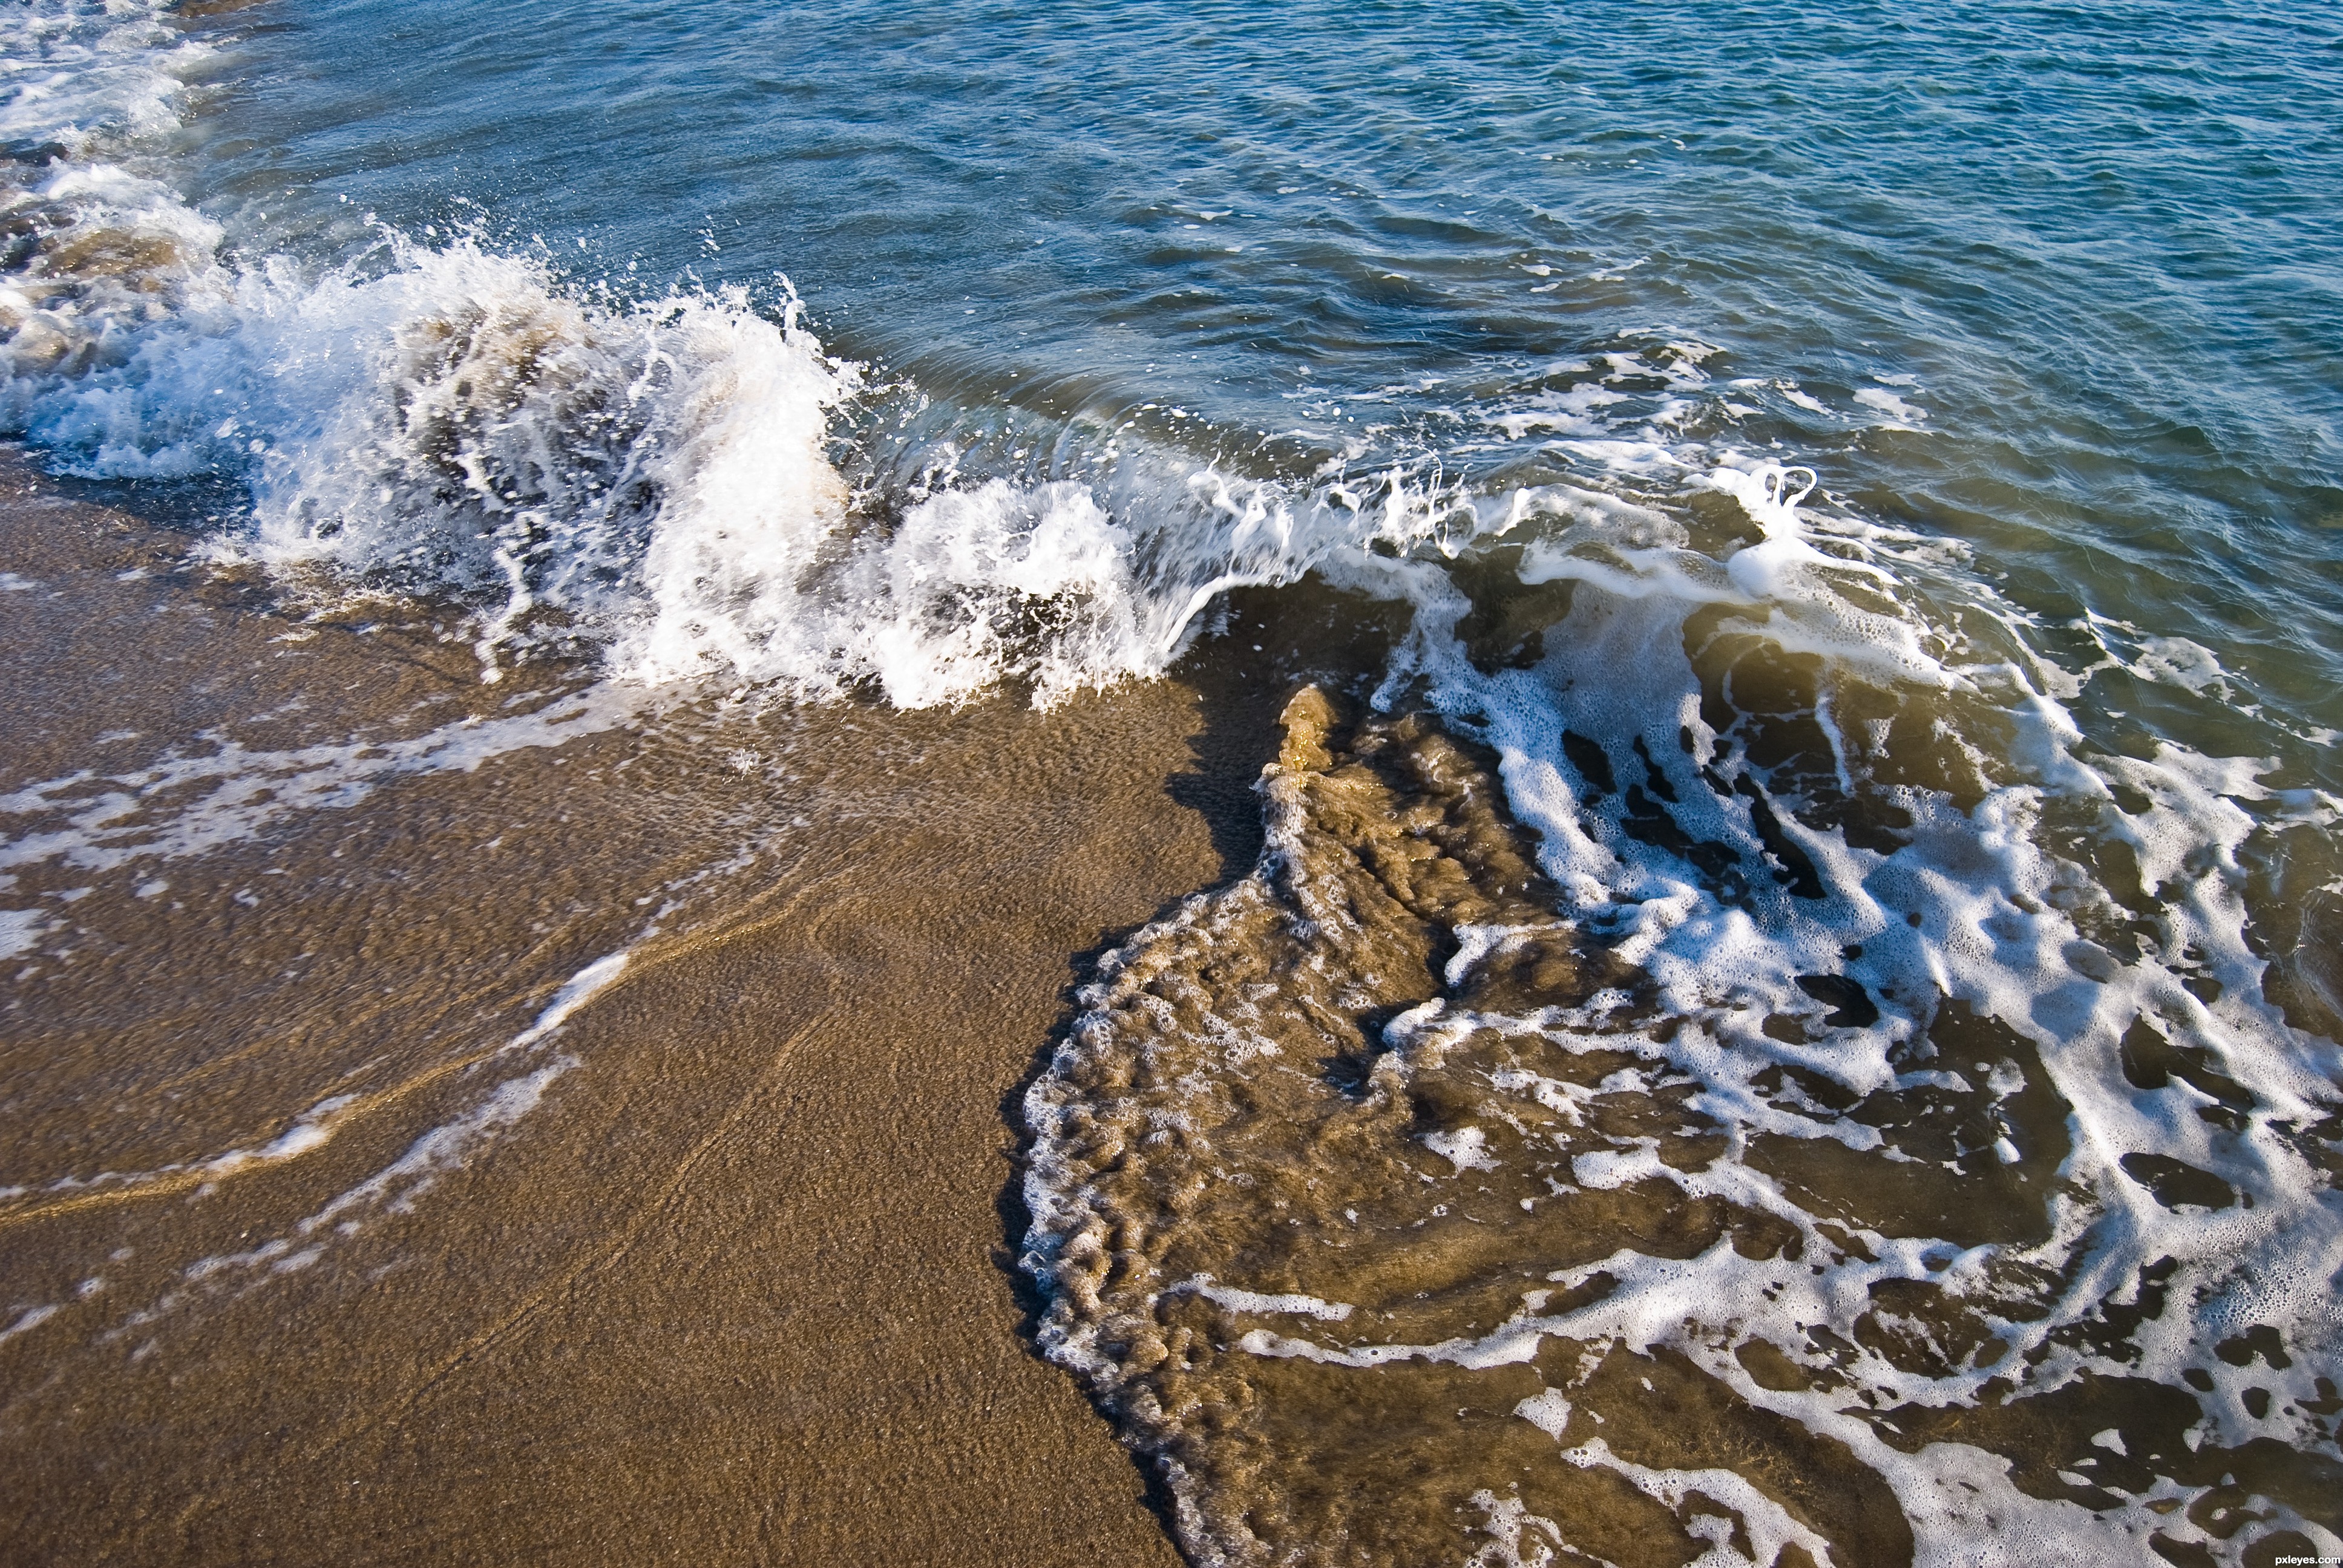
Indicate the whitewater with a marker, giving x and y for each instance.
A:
(1790, 987)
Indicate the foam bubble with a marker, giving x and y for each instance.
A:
(20, 931)
(435, 1155)
(178, 804)
(1958, 1013)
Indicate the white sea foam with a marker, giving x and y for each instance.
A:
(1766, 1525)
(311, 1130)
(112, 249)
(649, 477)
(72, 70)
(655, 477)
(179, 805)
(437, 1154)
(1976, 908)
(1999, 904)
(29, 1319)
(1897, 413)
(20, 931)
(1255, 1302)
(652, 479)
(576, 992)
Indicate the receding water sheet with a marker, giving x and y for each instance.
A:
(1313, 786)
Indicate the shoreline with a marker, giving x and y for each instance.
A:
(741, 1287)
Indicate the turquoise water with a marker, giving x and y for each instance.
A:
(1871, 477)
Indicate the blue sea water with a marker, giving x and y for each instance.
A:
(2100, 242)
(1988, 357)
(2059, 282)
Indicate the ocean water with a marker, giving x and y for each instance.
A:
(1787, 1009)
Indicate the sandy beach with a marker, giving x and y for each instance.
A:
(906, 782)
(738, 1289)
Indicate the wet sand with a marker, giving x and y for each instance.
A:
(738, 1289)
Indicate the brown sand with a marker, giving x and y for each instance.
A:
(738, 1292)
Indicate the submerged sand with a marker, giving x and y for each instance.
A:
(737, 1288)
(547, 1122)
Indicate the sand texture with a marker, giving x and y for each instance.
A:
(734, 1291)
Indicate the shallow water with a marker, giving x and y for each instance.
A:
(1796, 937)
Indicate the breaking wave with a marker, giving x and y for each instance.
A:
(653, 478)
(1715, 1062)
